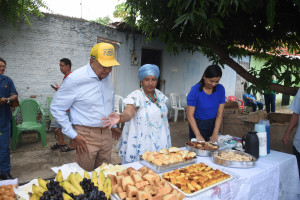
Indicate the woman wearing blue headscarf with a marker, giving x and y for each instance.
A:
(146, 126)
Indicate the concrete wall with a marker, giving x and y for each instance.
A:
(33, 53)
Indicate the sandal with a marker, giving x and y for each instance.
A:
(56, 146)
(66, 149)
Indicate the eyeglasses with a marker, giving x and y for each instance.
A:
(2, 66)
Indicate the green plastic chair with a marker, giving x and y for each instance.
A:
(29, 111)
(47, 107)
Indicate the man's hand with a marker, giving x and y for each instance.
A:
(3, 100)
(286, 139)
(80, 144)
(56, 86)
(116, 133)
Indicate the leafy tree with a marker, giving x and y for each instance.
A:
(121, 11)
(14, 10)
(224, 29)
(103, 20)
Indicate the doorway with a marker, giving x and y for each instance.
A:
(152, 56)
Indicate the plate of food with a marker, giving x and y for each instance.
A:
(167, 159)
(233, 158)
(196, 178)
(143, 183)
(201, 148)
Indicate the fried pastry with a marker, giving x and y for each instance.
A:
(195, 177)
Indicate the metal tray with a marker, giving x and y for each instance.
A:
(166, 168)
(236, 164)
(202, 190)
(199, 152)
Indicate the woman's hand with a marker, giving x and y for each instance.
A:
(200, 138)
(111, 120)
(213, 138)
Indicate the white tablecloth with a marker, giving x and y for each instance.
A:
(275, 176)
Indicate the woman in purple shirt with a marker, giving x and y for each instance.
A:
(205, 106)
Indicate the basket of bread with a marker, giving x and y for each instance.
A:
(233, 158)
(201, 148)
(196, 178)
(142, 184)
(167, 159)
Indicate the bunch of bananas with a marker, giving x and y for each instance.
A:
(75, 187)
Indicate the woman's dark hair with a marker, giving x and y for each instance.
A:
(210, 72)
(1, 59)
(67, 61)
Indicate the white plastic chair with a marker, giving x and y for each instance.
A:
(117, 107)
(176, 106)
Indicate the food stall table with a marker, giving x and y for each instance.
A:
(275, 176)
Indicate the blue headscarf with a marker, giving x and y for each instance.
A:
(147, 70)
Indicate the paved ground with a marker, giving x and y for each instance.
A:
(30, 160)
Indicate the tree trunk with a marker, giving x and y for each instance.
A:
(225, 59)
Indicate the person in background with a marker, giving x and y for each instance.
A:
(89, 94)
(205, 106)
(146, 127)
(250, 100)
(270, 98)
(294, 122)
(65, 65)
(8, 94)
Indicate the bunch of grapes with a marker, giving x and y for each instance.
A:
(91, 192)
(54, 191)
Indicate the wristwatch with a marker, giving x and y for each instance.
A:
(8, 100)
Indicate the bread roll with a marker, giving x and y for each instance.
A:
(173, 149)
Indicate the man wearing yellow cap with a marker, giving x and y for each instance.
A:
(89, 94)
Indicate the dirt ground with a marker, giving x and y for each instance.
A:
(30, 160)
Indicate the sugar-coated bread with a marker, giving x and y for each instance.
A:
(173, 149)
(164, 151)
(157, 162)
(191, 155)
(150, 158)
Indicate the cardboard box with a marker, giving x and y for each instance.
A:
(231, 109)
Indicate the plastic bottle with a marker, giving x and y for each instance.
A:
(267, 124)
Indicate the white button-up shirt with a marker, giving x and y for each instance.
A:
(88, 98)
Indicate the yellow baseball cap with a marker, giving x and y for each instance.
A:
(105, 54)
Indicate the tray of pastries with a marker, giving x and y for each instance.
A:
(167, 159)
(143, 183)
(196, 178)
(201, 148)
(233, 158)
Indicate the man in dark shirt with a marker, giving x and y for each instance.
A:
(8, 94)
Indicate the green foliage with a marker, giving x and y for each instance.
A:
(103, 20)
(231, 28)
(121, 11)
(13, 11)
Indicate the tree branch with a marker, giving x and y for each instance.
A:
(225, 59)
